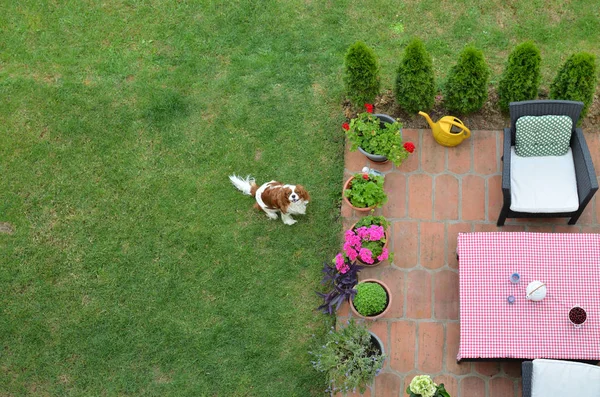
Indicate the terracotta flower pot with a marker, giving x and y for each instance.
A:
(347, 186)
(384, 246)
(389, 302)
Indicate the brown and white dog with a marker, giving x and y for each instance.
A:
(273, 197)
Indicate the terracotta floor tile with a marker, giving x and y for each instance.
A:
(472, 386)
(406, 243)
(420, 197)
(354, 161)
(394, 279)
(452, 343)
(473, 198)
(445, 290)
(395, 188)
(433, 155)
(487, 368)
(484, 152)
(432, 250)
(387, 385)
(403, 337)
(431, 347)
(459, 157)
(446, 197)
(502, 387)
(418, 294)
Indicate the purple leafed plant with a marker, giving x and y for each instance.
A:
(342, 277)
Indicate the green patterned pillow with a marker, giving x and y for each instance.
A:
(543, 135)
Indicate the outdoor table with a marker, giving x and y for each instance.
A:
(493, 328)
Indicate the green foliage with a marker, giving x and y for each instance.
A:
(348, 358)
(361, 74)
(363, 193)
(465, 90)
(521, 78)
(371, 299)
(372, 220)
(415, 83)
(576, 80)
(367, 133)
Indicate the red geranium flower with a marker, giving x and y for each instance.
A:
(346, 126)
(409, 146)
(369, 107)
(365, 176)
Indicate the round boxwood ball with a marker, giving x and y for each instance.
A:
(370, 299)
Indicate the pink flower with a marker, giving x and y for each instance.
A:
(352, 254)
(366, 255)
(384, 255)
(362, 232)
(376, 233)
(339, 260)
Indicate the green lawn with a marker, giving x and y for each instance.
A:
(135, 267)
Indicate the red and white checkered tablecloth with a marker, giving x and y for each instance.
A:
(490, 327)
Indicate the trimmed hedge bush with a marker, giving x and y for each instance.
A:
(521, 78)
(465, 90)
(576, 80)
(370, 299)
(415, 84)
(361, 75)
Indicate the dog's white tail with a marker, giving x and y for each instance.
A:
(245, 185)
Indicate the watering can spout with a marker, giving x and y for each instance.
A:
(429, 121)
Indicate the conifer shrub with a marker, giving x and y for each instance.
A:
(361, 75)
(521, 78)
(465, 90)
(576, 80)
(415, 85)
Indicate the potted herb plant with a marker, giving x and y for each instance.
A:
(350, 358)
(377, 136)
(364, 191)
(372, 300)
(423, 386)
(366, 241)
(341, 275)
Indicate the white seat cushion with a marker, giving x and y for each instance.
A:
(543, 184)
(564, 378)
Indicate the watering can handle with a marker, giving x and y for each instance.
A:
(460, 125)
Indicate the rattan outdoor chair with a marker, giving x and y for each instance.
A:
(582, 182)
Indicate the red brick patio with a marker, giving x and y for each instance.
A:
(435, 194)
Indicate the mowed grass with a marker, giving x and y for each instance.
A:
(135, 267)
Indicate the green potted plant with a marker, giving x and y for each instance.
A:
(350, 358)
(366, 241)
(423, 386)
(364, 191)
(378, 136)
(372, 300)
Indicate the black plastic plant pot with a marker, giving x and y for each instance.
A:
(383, 119)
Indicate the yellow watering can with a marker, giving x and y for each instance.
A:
(448, 131)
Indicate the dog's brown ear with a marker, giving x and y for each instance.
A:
(302, 193)
(282, 199)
